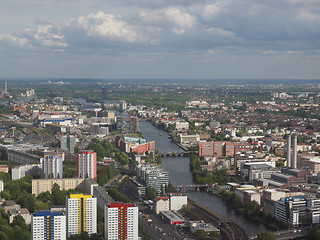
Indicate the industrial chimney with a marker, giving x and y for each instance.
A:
(294, 151)
(289, 150)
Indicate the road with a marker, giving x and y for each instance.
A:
(160, 229)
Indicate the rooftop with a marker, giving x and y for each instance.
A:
(17, 211)
(172, 216)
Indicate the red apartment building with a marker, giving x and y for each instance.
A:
(219, 149)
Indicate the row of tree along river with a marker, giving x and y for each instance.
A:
(180, 174)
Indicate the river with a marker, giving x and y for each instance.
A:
(179, 174)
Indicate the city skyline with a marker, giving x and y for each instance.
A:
(162, 39)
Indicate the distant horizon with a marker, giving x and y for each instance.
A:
(201, 80)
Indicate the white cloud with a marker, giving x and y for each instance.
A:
(48, 36)
(82, 32)
(20, 42)
(169, 18)
(211, 11)
(107, 26)
(180, 26)
(309, 16)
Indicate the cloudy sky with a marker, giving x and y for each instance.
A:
(160, 38)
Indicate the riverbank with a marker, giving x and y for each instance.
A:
(184, 148)
(228, 228)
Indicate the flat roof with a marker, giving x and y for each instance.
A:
(282, 175)
(172, 216)
(272, 182)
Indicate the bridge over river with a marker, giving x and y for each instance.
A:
(191, 186)
(174, 154)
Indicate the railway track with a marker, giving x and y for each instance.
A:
(229, 230)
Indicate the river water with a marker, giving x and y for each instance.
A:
(179, 174)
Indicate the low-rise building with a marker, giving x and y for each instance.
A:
(10, 204)
(44, 185)
(172, 217)
(312, 164)
(182, 125)
(23, 212)
(4, 168)
(143, 148)
(247, 195)
(177, 201)
(189, 139)
(161, 204)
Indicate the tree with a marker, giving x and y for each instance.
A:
(200, 234)
(159, 160)
(20, 234)
(19, 221)
(313, 233)
(122, 158)
(186, 208)
(58, 196)
(4, 236)
(77, 149)
(214, 235)
(151, 193)
(317, 234)
(27, 200)
(45, 196)
(41, 205)
(266, 236)
(118, 196)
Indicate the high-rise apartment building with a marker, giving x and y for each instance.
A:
(68, 142)
(52, 167)
(81, 214)
(121, 221)
(46, 225)
(87, 165)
